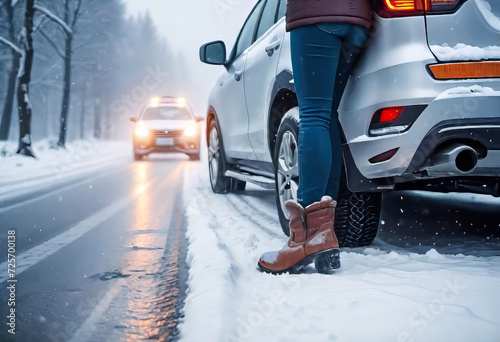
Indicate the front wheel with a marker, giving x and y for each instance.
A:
(216, 161)
(357, 214)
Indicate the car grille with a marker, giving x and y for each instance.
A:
(168, 133)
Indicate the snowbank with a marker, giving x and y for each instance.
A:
(79, 157)
(380, 293)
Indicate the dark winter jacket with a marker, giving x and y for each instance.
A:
(307, 12)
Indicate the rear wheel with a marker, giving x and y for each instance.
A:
(217, 161)
(357, 214)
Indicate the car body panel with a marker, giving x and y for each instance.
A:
(393, 42)
(231, 110)
(260, 73)
(462, 35)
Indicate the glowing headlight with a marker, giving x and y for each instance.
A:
(141, 132)
(181, 100)
(190, 131)
(155, 101)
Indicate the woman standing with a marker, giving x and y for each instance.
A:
(326, 37)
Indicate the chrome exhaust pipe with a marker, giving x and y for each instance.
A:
(466, 160)
(456, 159)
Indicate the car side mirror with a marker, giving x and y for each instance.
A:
(200, 119)
(133, 118)
(213, 53)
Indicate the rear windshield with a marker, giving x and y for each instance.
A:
(166, 113)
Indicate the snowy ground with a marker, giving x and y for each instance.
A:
(19, 173)
(405, 287)
(381, 293)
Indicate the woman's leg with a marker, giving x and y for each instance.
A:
(316, 51)
(315, 58)
(352, 41)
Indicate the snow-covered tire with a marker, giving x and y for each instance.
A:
(357, 216)
(217, 161)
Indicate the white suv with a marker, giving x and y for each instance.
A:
(420, 111)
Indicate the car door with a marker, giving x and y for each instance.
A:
(260, 73)
(232, 111)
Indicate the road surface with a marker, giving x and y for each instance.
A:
(99, 259)
(103, 257)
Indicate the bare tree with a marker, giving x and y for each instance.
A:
(16, 55)
(23, 83)
(71, 16)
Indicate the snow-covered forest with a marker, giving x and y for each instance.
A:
(91, 67)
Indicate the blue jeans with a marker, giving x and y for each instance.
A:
(322, 60)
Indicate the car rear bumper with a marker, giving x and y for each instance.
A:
(393, 72)
(471, 118)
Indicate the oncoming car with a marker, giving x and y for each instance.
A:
(166, 124)
(421, 110)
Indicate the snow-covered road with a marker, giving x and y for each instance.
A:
(383, 292)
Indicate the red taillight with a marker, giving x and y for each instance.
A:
(390, 114)
(394, 120)
(406, 5)
(401, 8)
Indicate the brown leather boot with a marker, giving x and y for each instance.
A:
(316, 242)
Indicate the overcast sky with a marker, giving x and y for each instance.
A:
(187, 24)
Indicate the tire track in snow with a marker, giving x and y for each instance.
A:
(245, 210)
(238, 226)
(259, 205)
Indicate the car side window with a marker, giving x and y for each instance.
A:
(281, 10)
(247, 33)
(268, 17)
